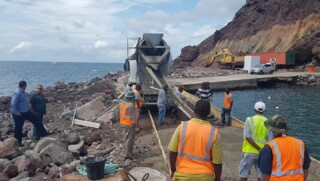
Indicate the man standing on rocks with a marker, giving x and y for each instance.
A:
(284, 157)
(128, 120)
(226, 109)
(255, 135)
(38, 108)
(162, 103)
(195, 148)
(20, 113)
(138, 105)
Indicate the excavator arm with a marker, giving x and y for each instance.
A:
(225, 52)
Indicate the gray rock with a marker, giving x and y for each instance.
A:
(4, 177)
(3, 163)
(29, 165)
(5, 130)
(32, 155)
(11, 170)
(21, 176)
(27, 179)
(49, 155)
(40, 176)
(73, 138)
(54, 172)
(16, 159)
(43, 143)
(66, 114)
(77, 148)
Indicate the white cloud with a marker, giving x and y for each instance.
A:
(22, 45)
(68, 28)
(100, 44)
(204, 31)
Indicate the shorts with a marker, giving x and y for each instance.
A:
(247, 160)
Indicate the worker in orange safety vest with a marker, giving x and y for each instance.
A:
(284, 157)
(226, 109)
(138, 105)
(195, 148)
(128, 120)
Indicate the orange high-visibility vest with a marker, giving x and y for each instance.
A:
(124, 114)
(227, 100)
(194, 148)
(140, 100)
(288, 158)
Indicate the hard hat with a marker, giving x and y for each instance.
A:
(260, 106)
(277, 124)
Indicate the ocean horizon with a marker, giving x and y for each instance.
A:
(49, 72)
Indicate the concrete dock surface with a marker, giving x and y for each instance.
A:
(242, 80)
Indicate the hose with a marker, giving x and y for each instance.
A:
(144, 178)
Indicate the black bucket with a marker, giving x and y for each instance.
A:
(95, 167)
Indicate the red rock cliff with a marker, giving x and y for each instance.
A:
(263, 26)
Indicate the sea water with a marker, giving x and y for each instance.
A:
(47, 73)
(298, 105)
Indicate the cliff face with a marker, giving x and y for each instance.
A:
(264, 26)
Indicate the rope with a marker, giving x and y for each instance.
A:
(109, 168)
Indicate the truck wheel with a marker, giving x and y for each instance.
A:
(271, 72)
(261, 72)
(252, 73)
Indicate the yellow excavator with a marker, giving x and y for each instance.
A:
(228, 60)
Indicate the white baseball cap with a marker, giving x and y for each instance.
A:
(260, 106)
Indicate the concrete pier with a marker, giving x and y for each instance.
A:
(238, 81)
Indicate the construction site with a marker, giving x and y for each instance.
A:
(82, 119)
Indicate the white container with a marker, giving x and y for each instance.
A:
(250, 62)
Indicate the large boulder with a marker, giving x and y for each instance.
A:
(56, 154)
(29, 165)
(9, 148)
(43, 142)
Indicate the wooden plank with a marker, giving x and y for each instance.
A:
(164, 157)
(86, 123)
(74, 115)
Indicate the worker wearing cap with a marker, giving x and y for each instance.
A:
(284, 157)
(138, 104)
(226, 109)
(128, 119)
(255, 136)
(195, 148)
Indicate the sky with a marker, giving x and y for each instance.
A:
(97, 30)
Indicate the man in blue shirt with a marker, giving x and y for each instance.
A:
(161, 103)
(20, 112)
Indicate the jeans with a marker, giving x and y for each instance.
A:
(226, 113)
(19, 122)
(162, 113)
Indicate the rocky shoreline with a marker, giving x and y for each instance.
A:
(40, 161)
(61, 153)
